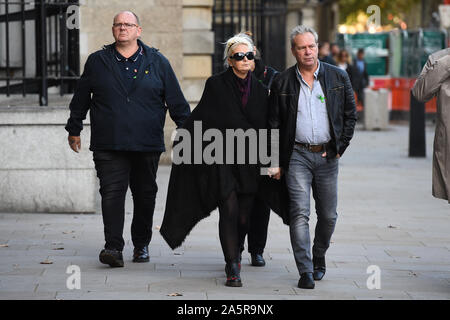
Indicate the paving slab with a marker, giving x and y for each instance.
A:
(387, 218)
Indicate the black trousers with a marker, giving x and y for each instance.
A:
(116, 171)
(361, 96)
(234, 214)
(259, 223)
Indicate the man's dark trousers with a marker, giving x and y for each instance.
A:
(116, 171)
(259, 222)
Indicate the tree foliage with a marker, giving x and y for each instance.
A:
(349, 9)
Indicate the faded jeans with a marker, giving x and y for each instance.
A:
(308, 170)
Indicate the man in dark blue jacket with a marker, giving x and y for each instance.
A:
(128, 87)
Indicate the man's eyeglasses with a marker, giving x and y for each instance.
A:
(126, 25)
(238, 56)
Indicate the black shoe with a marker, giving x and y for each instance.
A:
(141, 254)
(112, 257)
(233, 271)
(306, 281)
(258, 260)
(319, 268)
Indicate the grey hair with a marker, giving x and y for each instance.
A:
(233, 42)
(257, 54)
(301, 30)
(134, 14)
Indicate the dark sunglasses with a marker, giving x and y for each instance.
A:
(240, 56)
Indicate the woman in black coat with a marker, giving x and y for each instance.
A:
(233, 99)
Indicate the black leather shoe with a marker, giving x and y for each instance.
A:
(233, 271)
(258, 260)
(141, 254)
(112, 257)
(319, 268)
(306, 281)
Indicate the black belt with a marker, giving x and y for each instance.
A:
(312, 147)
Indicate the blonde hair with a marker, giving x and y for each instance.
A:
(233, 42)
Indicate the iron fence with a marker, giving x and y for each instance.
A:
(264, 18)
(37, 50)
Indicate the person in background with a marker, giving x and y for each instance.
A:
(334, 51)
(360, 77)
(259, 218)
(434, 81)
(343, 61)
(324, 53)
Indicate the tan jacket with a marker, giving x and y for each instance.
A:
(435, 81)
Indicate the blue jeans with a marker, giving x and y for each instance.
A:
(308, 170)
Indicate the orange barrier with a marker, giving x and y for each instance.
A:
(400, 93)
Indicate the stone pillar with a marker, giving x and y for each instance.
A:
(198, 47)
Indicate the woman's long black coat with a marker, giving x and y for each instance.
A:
(195, 190)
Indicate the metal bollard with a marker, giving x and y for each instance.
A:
(416, 128)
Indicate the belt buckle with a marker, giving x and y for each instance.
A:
(314, 148)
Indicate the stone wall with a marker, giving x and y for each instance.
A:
(38, 170)
(198, 47)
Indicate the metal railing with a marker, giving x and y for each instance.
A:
(266, 19)
(37, 50)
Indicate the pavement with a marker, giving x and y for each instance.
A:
(388, 222)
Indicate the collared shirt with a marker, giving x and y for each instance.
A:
(360, 65)
(129, 67)
(313, 126)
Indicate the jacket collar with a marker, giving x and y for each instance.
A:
(134, 57)
(108, 55)
(316, 73)
(148, 52)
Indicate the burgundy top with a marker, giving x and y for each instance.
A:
(244, 87)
